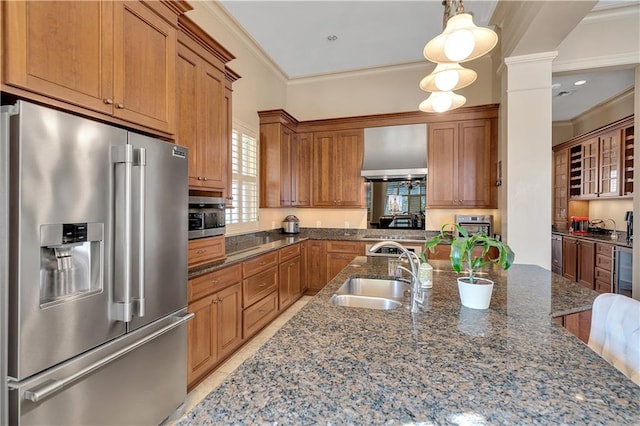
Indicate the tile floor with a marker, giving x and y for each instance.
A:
(226, 368)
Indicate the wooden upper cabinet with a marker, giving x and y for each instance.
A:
(72, 63)
(609, 170)
(590, 168)
(337, 162)
(187, 88)
(227, 132)
(301, 163)
(203, 99)
(600, 162)
(144, 66)
(462, 162)
(560, 187)
(112, 57)
(286, 145)
(276, 141)
(214, 143)
(285, 162)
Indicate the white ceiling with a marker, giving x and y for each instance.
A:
(378, 33)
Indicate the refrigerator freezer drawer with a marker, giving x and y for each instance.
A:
(131, 380)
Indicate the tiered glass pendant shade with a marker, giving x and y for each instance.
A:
(460, 41)
(447, 77)
(441, 102)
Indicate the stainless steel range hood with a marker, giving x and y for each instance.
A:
(395, 152)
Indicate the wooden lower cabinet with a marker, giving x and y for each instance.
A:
(340, 254)
(443, 251)
(289, 285)
(579, 324)
(316, 265)
(604, 267)
(205, 250)
(214, 332)
(578, 261)
(259, 292)
(259, 314)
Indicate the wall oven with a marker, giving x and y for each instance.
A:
(475, 224)
(206, 217)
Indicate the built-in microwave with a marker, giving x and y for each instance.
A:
(206, 217)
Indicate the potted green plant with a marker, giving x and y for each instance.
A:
(475, 292)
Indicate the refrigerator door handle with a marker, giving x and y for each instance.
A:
(48, 388)
(123, 154)
(141, 162)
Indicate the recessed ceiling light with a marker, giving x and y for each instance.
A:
(332, 37)
(579, 82)
(556, 86)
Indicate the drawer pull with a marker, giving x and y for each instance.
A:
(262, 311)
(262, 263)
(201, 251)
(263, 285)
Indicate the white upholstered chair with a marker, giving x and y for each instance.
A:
(615, 332)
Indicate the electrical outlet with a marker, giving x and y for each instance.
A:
(318, 224)
(273, 224)
(346, 224)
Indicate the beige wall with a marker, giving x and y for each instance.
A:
(377, 91)
(614, 109)
(262, 85)
(614, 209)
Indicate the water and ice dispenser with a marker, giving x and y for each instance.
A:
(70, 261)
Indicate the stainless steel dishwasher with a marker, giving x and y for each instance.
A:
(556, 254)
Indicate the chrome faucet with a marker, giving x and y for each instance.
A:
(411, 256)
(614, 233)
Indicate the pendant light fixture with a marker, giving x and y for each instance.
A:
(441, 102)
(461, 39)
(447, 77)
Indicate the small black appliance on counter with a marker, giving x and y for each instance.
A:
(628, 217)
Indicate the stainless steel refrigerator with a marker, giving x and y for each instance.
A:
(93, 271)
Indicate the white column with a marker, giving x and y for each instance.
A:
(636, 191)
(528, 157)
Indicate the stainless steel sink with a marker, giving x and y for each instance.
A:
(372, 293)
(353, 301)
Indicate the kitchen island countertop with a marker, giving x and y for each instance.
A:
(447, 364)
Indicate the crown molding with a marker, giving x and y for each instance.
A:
(596, 62)
(220, 14)
(612, 12)
(533, 57)
(426, 65)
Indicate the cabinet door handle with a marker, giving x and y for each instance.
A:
(205, 178)
(119, 106)
(108, 101)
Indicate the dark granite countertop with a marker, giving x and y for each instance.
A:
(510, 364)
(250, 246)
(600, 238)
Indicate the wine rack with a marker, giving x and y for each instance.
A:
(627, 163)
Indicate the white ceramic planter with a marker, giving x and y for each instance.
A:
(476, 295)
